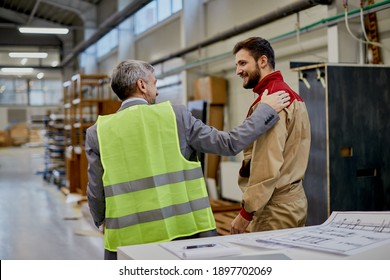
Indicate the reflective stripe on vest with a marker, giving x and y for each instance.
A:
(152, 192)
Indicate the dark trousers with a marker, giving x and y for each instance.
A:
(108, 255)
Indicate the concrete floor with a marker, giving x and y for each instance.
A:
(37, 221)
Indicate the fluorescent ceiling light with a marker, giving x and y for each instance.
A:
(28, 54)
(43, 30)
(17, 70)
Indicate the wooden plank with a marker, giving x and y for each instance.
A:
(218, 205)
(223, 221)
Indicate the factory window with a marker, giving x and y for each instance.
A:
(107, 43)
(154, 12)
(87, 55)
(30, 92)
(177, 5)
(45, 92)
(164, 8)
(13, 92)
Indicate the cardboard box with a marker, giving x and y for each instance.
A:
(19, 134)
(4, 138)
(212, 89)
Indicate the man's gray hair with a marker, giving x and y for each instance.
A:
(125, 76)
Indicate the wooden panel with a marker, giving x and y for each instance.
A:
(108, 106)
(223, 205)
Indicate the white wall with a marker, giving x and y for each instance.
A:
(3, 118)
(107, 64)
(160, 41)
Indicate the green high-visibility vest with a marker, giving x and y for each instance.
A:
(153, 193)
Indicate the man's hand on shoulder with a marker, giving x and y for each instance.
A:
(278, 100)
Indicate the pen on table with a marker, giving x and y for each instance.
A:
(199, 246)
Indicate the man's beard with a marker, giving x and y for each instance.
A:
(253, 79)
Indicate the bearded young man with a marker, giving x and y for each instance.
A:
(274, 165)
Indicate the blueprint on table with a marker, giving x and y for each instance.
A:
(344, 233)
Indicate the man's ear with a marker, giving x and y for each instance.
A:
(262, 62)
(141, 85)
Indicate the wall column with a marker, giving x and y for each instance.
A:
(192, 31)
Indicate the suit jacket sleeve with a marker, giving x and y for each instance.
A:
(207, 139)
(95, 190)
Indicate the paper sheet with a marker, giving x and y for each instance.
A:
(200, 250)
(344, 233)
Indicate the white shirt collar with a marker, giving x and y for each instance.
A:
(133, 99)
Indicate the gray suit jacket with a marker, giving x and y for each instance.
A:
(194, 136)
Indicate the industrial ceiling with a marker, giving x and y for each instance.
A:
(73, 14)
(78, 16)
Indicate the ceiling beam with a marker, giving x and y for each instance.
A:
(105, 27)
(34, 10)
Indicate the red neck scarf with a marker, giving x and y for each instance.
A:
(273, 82)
